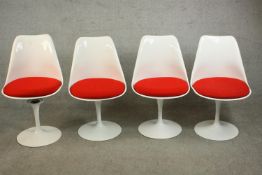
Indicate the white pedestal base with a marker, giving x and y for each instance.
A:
(99, 132)
(159, 130)
(40, 137)
(219, 131)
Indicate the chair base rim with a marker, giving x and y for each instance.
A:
(44, 136)
(156, 129)
(93, 131)
(219, 131)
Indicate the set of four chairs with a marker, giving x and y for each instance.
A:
(218, 74)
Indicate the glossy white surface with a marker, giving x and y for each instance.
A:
(156, 129)
(33, 56)
(95, 57)
(34, 137)
(216, 131)
(159, 128)
(218, 56)
(159, 56)
(99, 130)
(39, 135)
(95, 131)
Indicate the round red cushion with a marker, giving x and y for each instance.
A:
(32, 87)
(221, 87)
(161, 87)
(97, 88)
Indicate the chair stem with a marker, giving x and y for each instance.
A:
(35, 106)
(160, 110)
(217, 115)
(98, 113)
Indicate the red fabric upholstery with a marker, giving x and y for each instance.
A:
(221, 87)
(161, 87)
(97, 88)
(32, 87)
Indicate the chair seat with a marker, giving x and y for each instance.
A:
(97, 88)
(161, 87)
(221, 87)
(32, 87)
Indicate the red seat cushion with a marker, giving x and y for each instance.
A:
(32, 87)
(221, 87)
(97, 88)
(161, 87)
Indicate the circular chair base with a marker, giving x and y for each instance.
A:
(35, 138)
(219, 131)
(159, 130)
(99, 132)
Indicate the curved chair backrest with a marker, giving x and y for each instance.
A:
(95, 57)
(159, 56)
(218, 56)
(33, 56)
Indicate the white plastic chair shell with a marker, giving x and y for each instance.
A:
(95, 57)
(218, 56)
(159, 56)
(33, 56)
